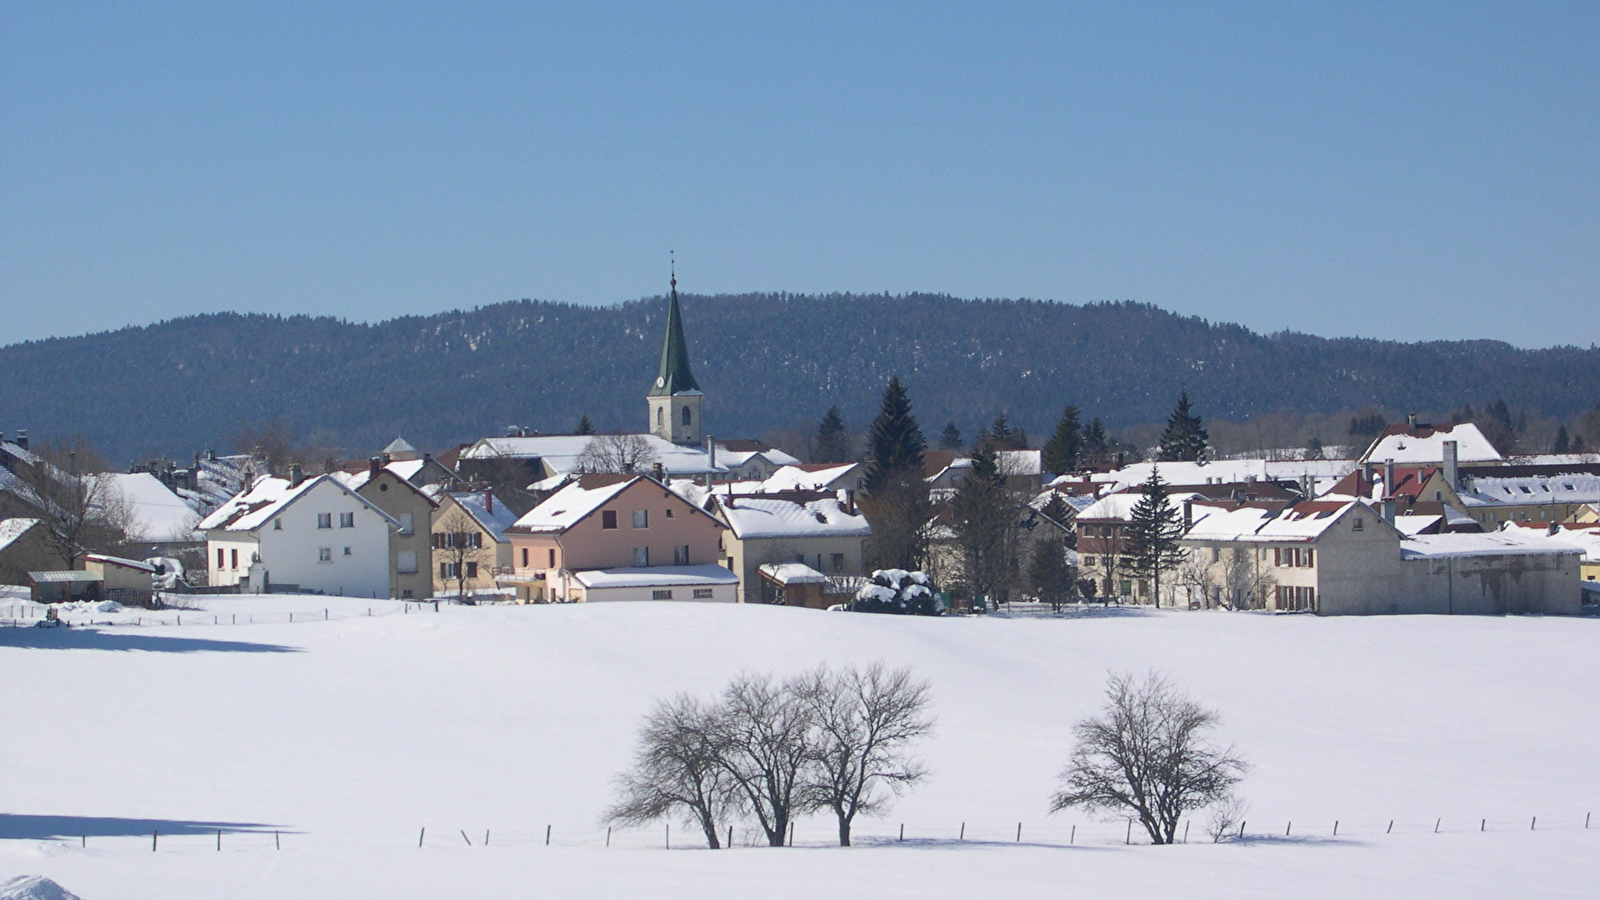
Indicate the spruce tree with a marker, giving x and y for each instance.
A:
(1154, 527)
(833, 444)
(1314, 448)
(584, 425)
(1563, 442)
(896, 442)
(1061, 452)
(950, 439)
(1184, 440)
(985, 514)
(1095, 442)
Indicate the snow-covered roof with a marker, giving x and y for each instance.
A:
(269, 496)
(156, 514)
(1513, 541)
(1300, 523)
(792, 573)
(406, 469)
(1425, 444)
(491, 515)
(1524, 490)
(398, 446)
(1585, 539)
(105, 560)
(737, 453)
(560, 452)
(566, 507)
(768, 517)
(812, 477)
(1231, 471)
(656, 576)
(1120, 506)
(14, 528)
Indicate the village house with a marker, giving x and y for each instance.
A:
(1335, 557)
(821, 530)
(386, 486)
(1413, 445)
(749, 460)
(23, 549)
(607, 537)
(299, 534)
(470, 545)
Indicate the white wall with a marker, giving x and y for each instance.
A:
(720, 593)
(290, 554)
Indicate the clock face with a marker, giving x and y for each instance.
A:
(660, 382)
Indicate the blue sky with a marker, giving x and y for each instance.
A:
(1431, 171)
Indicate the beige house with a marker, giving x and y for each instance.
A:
(23, 549)
(410, 558)
(1343, 558)
(645, 537)
(823, 530)
(470, 545)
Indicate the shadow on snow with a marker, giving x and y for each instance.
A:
(40, 828)
(92, 639)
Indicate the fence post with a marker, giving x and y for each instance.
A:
(547, 835)
(1483, 824)
(1288, 828)
(791, 833)
(1186, 832)
(154, 834)
(1335, 827)
(1436, 825)
(465, 838)
(1074, 838)
(730, 837)
(1128, 838)
(1019, 832)
(277, 843)
(963, 835)
(219, 840)
(1534, 826)
(1391, 827)
(902, 832)
(486, 837)
(608, 835)
(420, 835)
(1241, 830)
(669, 835)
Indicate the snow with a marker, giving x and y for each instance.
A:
(157, 515)
(492, 516)
(1231, 471)
(560, 453)
(566, 507)
(1489, 491)
(653, 576)
(1509, 542)
(810, 477)
(11, 529)
(793, 573)
(34, 887)
(1425, 444)
(1301, 522)
(763, 517)
(350, 735)
(1120, 506)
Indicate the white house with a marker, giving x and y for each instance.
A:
(1412, 445)
(312, 535)
(822, 530)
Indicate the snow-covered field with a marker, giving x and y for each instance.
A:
(348, 736)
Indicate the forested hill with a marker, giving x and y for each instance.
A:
(765, 361)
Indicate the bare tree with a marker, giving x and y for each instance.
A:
(1146, 755)
(1244, 582)
(616, 453)
(1194, 575)
(865, 722)
(676, 770)
(1226, 815)
(458, 546)
(763, 740)
(81, 508)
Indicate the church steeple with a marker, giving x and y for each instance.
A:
(674, 398)
(674, 376)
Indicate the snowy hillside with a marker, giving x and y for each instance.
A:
(348, 736)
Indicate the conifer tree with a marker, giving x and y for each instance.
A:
(985, 515)
(1154, 527)
(950, 439)
(584, 425)
(1184, 440)
(1095, 442)
(833, 443)
(1061, 452)
(1563, 442)
(896, 441)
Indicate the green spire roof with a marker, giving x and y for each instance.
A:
(674, 376)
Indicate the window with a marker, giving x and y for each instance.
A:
(1088, 560)
(405, 562)
(669, 512)
(444, 571)
(687, 417)
(347, 520)
(277, 524)
(406, 594)
(235, 558)
(552, 559)
(702, 593)
(641, 556)
(347, 551)
(680, 555)
(524, 557)
(222, 558)
(836, 561)
(406, 523)
(1357, 524)
(608, 519)
(661, 415)
(641, 518)
(1311, 558)
(661, 594)
(472, 570)
(324, 520)
(324, 554)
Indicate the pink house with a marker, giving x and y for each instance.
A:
(617, 537)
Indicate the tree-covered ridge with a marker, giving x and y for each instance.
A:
(765, 361)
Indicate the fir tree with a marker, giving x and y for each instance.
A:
(1314, 448)
(1095, 442)
(1053, 580)
(950, 439)
(984, 515)
(833, 443)
(584, 425)
(1154, 527)
(1563, 442)
(1061, 452)
(896, 441)
(1184, 440)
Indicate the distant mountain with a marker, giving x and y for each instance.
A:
(766, 361)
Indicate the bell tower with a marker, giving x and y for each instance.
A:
(675, 398)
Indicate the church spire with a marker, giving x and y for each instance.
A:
(674, 376)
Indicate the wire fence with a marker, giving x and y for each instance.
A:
(28, 616)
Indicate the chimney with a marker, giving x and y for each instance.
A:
(1188, 515)
(1554, 529)
(850, 502)
(659, 473)
(488, 500)
(211, 455)
(374, 466)
(1411, 420)
(296, 475)
(1388, 510)
(1388, 479)
(22, 438)
(1452, 465)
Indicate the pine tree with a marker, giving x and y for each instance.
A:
(584, 425)
(1095, 442)
(1184, 440)
(896, 442)
(1154, 527)
(950, 439)
(1061, 452)
(833, 443)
